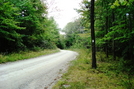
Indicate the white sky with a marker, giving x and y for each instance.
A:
(63, 10)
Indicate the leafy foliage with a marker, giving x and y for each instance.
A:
(116, 31)
(24, 25)
(9, 27)
(74, 31)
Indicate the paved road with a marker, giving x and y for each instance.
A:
(35, 73)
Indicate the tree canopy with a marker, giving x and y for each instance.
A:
(113, 29)
(25, 25)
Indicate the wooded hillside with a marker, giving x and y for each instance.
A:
(25, 25)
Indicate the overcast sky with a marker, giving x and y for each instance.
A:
(63, 10)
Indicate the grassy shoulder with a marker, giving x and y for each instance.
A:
(25, 55)
(81, 76)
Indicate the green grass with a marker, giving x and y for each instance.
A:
(25, 55)
(81, 76)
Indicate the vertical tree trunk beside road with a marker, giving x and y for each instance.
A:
(93, 36)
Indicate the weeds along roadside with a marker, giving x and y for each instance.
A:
(25, 55)
(81, 76)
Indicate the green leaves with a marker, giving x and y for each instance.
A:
(23, 25)
(118, 3)
(7, 21)
(115, 30)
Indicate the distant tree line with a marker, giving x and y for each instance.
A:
(76, 35)
(24, 24)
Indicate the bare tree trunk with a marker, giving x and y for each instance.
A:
(130, 41)
(93, 36)
(107, 26)
(113, 44)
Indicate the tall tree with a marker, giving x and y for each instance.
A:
(93, 35)
(24, 25)
(10, 38)
(87, 12)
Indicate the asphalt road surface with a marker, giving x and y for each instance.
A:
(35, 73)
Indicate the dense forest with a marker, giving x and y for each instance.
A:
(114, 31)
(114, 44)
(24, 25)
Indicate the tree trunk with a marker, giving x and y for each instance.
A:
(130, 41)
(113, 43)
(107, 26)
(93, 36)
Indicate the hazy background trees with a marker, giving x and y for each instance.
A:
(76, 34)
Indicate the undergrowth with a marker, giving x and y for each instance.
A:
(81, 76)
(25, 55)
